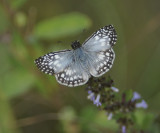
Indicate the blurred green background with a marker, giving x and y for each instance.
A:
(32, 102)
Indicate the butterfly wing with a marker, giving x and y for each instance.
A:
(68, 71)
(100, 62)
(73, 75)
(100, 55)
(72, 72)
(101, 40)
(54, 62)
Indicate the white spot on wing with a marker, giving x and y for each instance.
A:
(62, 75)
(56, 56)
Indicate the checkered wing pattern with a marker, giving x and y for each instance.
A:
(74, 67)
(63, 65)
(101, 62)
(99, 50)
(101, 40)
(73, 75)
(51, 63)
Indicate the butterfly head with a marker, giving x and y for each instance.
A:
(75, 45)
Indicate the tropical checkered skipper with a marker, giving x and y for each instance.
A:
(74, 67)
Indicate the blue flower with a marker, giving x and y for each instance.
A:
(110, 115)
(142, 104)
(91, 95)
(97, 100)
(123, 129)
(115, 89)
(136, 96)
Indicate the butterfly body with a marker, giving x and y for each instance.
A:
(74, 67)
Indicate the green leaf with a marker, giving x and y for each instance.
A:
(16, 82)
(129, 94)
(143, 119)
(61, 26)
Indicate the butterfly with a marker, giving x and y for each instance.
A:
(74, 67)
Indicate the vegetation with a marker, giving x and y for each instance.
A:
(31, 101)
